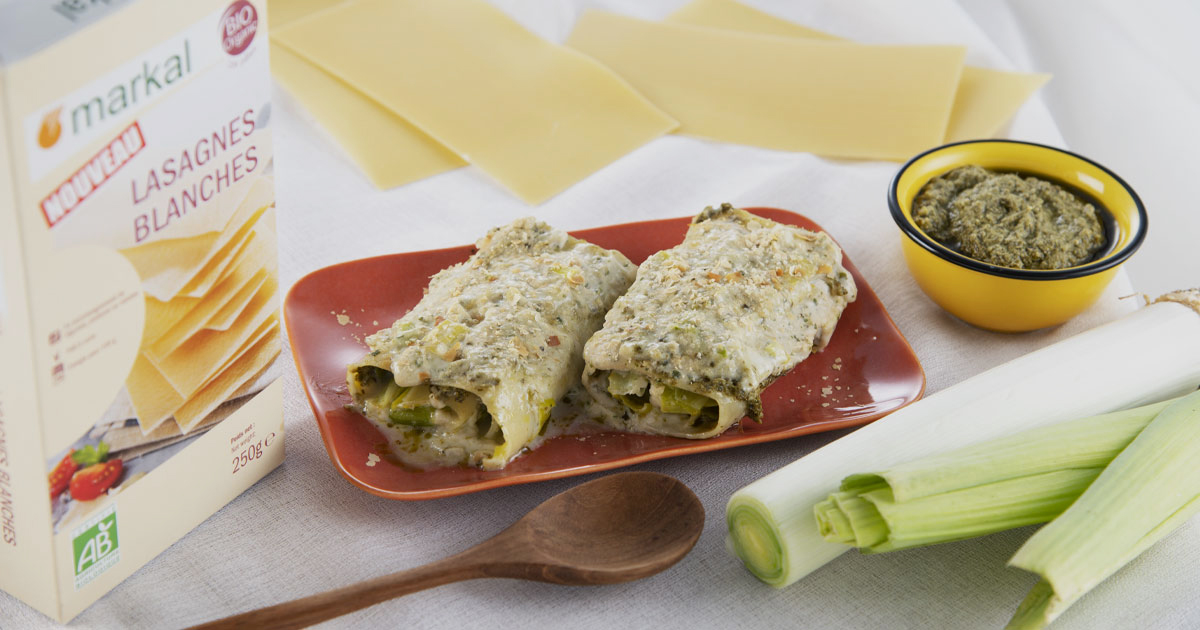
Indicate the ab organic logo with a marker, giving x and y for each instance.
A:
(97, 547)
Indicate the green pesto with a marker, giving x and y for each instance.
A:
(1008, 220)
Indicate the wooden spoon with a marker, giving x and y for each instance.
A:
(614, 529)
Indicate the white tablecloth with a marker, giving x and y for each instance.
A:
(304, 529)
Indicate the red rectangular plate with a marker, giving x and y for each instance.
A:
(867, 371)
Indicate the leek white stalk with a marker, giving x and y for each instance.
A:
(1147, 356)
(1147, 491)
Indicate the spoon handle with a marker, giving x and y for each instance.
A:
(306, 611)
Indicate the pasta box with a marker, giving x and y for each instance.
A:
(139, 326)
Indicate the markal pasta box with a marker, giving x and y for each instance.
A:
(139, 326)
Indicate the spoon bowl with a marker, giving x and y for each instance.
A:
(614, 529)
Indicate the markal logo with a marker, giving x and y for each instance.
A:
(153, 77)
(50, 130)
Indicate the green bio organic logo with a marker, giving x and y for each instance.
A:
(97, 547)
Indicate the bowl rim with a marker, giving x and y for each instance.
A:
(1114, 259)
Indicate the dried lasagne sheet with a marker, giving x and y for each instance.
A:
(792, 94)
(708, 324)
(469, 376)
(535, 116)
(985, 100)
(388, 149)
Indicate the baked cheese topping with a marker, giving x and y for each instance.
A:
(707, 325)
(468, 377)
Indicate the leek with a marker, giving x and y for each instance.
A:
(420, 416)
(630, 389)
(1020, 480)
(1146, 356)
(879, 523)
(675, 400)
(1147, 491)
(627, 384)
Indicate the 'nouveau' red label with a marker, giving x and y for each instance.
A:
(80, 185)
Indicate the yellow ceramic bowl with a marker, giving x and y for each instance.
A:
(1002, 298)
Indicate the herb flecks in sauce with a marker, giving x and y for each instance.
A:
(1008, 220)
(492, 344)
(709, 323)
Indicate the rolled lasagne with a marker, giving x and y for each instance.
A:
(708, 324)
(468, 377)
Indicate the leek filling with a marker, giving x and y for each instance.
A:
(430, 411)
(684, 408)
